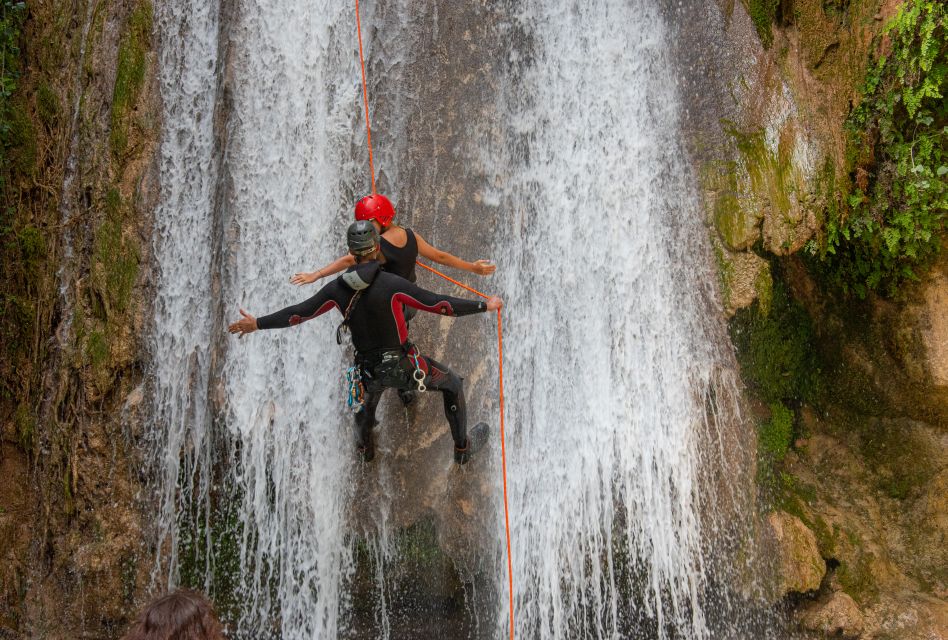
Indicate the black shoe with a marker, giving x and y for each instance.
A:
(476, 439)
(406, 396)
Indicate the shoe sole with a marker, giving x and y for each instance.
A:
(477, 437)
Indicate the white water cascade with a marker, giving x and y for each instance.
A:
(253, 457)
(614, 369)
(611, 359)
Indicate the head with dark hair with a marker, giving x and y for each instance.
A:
(182, 615)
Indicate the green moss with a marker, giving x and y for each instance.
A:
(130, 74)
(25, 426)
(763, 13)
(764, 286)
(418, 545)
(209, 558)
(776, 351)
(47, 105)
(775, 436)
(20, 141)
(856, 577)
(97, 349)
(898, 460)
(115, 262)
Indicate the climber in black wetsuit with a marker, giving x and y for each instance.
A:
(400, 248)
(371, 302)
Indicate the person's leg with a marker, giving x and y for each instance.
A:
(441, 378)
(365, 421)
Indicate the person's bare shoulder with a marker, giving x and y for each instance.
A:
(397, 236)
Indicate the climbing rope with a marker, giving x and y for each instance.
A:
(500, 340)
(503, 448)
(365, 98)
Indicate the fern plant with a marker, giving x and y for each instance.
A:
(891, 223)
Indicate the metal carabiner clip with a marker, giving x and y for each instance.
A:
(419, 377)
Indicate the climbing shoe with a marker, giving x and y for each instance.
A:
(476, 439)
(406, 396)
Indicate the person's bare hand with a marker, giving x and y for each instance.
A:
(484, 267)
(304, 278)
(247, 324)
(494, 303)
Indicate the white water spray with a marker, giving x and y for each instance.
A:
(255, 454)
(609, 358)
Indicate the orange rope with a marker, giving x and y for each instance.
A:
(503, 448)
(500, 337)
(365, 98)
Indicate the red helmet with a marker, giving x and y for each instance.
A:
(377, 207)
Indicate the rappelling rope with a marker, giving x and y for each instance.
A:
(500, 338)
(365, 98)
(503, 448)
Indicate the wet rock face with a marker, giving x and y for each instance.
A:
(837, 616)
(75, 523)
(801, 568)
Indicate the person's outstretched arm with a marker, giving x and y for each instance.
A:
(411, 295)
(480, 267)
(333, 267)
(290, 316)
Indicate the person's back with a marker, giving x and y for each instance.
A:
(182, 615)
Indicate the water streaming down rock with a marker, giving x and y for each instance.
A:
(612, 359)
(611, 362)
(254, 468)
(180, 341)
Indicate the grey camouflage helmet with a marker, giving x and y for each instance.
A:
(362, 237)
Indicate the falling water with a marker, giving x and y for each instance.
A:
(253, 468)
(610, 356)
(613, 361)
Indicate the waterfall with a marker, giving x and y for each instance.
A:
(610, 358)
(615, 370)
(254, 453)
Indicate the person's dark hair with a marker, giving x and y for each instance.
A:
(181, 615)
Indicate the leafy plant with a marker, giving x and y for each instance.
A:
(11, 19)
(891, 223)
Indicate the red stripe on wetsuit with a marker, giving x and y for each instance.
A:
(444, 308)
(295, 319)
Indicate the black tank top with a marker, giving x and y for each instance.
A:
(401, 260)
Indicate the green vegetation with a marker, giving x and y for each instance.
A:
(12, 15)
(130, 74)
(775, 436)
(775, 349)
(891, 224)
(763, 13)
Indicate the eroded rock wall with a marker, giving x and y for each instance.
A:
(849, 394)
(80, 185)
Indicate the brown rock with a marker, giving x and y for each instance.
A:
(837, 616)
(800, 566)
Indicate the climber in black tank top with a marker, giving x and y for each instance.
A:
(400, 260)
(400, 247)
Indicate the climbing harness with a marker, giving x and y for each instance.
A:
(500, 341)
(356, 396)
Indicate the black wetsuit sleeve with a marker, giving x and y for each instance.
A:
(411, 295)
(324, 300)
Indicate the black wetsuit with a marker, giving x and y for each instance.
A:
(380, 336)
